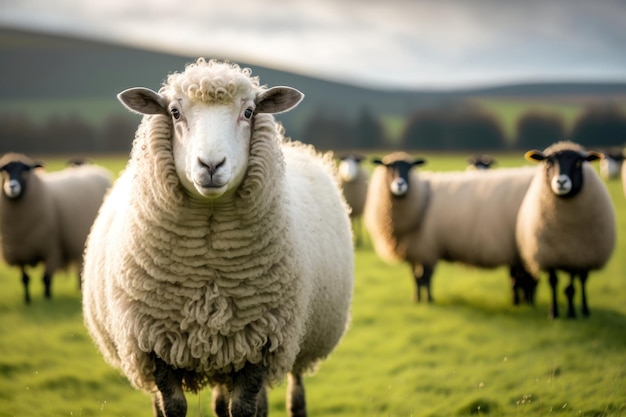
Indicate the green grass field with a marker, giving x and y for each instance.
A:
(469, 353)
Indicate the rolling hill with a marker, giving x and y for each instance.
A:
(44, 74)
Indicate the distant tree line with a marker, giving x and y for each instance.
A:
(66, 134)
(459, 127)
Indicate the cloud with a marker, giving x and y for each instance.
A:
(397, 43)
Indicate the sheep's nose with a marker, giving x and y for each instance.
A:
(211, 167)
(399, 187)
(561, 185)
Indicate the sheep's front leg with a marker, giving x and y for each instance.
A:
(47, 283)
(25, 282)
(583, 281)
(422, 275)
(170, 400)
(570, 291)
(522, 282)
(554, 280)
(515, 285)
(296, 403)
(221, 398)
(248, 388)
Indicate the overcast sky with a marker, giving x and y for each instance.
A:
(378, 43)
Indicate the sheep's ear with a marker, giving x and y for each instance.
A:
(593, 156)
(278, 100)
(534, 156)
(418, 162)
(377, 161)
(143, 101)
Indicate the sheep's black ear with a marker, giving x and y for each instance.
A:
(593, 156)
(143, 101)
(377, 161)
(278, 100)
(534, 156)
(418, 162)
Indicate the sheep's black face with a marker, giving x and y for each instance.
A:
(567, 173)
(14, 178)
(399, 173)
(564, 170)
(481, 162)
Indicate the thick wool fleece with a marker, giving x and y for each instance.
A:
(265, 277)
(566, 233)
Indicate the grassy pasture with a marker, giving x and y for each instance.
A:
(469, 353)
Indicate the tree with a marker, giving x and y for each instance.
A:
(118, 132)
(600, 125)
(460, 127)
(537, 130)
(471, 128)
(425, 129)
(369, 132)
(329, 132)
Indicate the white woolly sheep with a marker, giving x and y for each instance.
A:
(46, 217)
(467, 217)
(223, 254)
(354, 182)
(480, 162)
(567, 220)
(611, 164)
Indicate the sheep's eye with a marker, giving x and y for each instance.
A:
(248, 113)
(175, 113)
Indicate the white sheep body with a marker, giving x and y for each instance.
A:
(263, 276)
(467, 217)
(51, 221)
(354, 184)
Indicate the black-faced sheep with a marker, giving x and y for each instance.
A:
(46, 217)
(354, 182)
(480, 162)
(567, 219)
(466, 217)
(223, 255)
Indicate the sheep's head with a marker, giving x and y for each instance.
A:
(349, 166)
(398, 170)
(563, 164)
(212, 106)
(16, 170)
(480, 162)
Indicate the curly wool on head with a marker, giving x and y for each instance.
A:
(224, 83)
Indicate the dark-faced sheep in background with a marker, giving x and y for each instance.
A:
(480, 162)
(466, 217)
(46, 217)
(567, 220)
